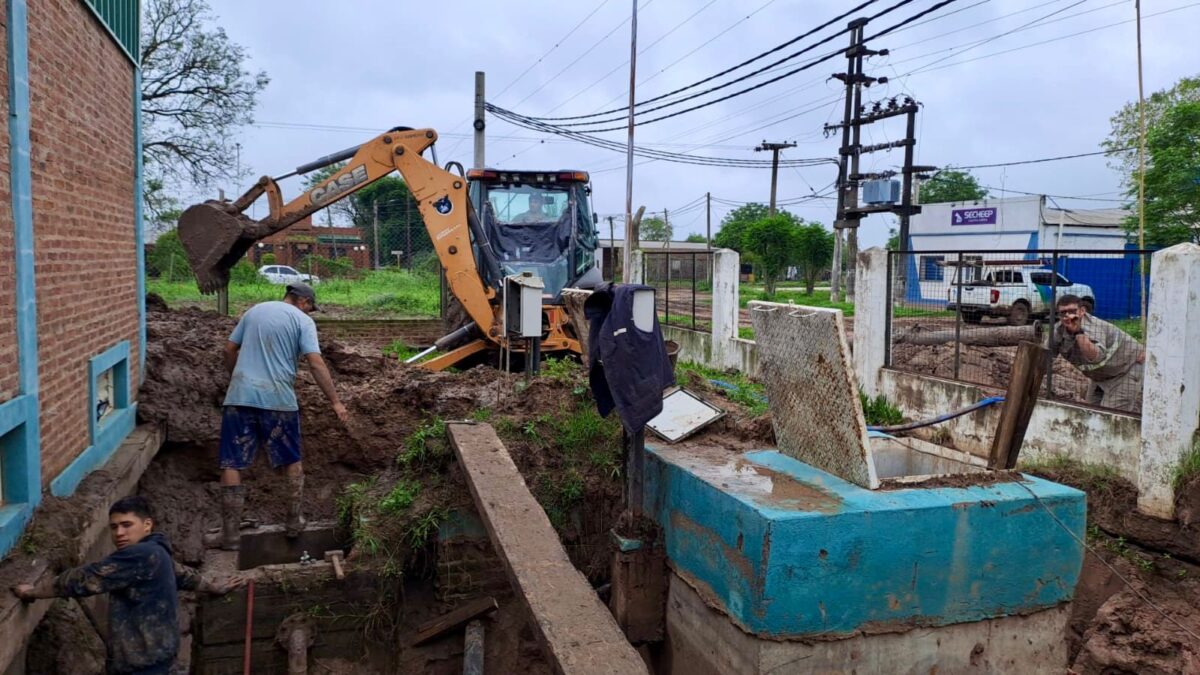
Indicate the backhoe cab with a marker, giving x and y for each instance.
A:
(539, 222)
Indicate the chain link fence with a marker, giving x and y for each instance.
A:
(960, 315)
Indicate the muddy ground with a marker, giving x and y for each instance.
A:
(570, 459)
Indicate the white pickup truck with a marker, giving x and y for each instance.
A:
(1015, 292)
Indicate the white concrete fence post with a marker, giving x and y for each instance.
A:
(726, 268)
(870, 318)
(636, 275)
(1171, 389)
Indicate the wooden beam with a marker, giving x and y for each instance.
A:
(455, 619)
(577, 633)
(1028, 369)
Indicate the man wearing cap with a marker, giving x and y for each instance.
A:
(260, 404)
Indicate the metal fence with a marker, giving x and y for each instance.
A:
(683, 286)
(960, 315)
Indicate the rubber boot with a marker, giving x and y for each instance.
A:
(295, 520)
(233, 499)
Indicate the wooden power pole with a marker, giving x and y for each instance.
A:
(774, 148)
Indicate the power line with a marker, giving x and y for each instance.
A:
(501, 112)
(580, 57)
(548, 51)
(1040, 160)
(732, 68)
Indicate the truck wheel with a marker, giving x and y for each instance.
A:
(1019, 314)
(1089, 304)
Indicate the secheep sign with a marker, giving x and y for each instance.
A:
(976, 216)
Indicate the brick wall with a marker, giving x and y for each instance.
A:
(8, 315)
(81, 99)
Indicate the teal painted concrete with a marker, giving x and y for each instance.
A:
(791, 551)
(107, 434)
(139, 221)
(21, 447)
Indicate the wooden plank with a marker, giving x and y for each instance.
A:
(573, 300)
(455, 619)
(1028, 369)
(473, 649)
(577, 633)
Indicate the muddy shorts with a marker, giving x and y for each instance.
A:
(244, 430)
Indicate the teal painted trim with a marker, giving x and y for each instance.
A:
(122, 23)
(21, 446)
(139, 222)
(116, 358)
(106, 435)
(13, 519)
(112, 433)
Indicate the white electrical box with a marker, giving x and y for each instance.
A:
(643, 309)
(523, 305)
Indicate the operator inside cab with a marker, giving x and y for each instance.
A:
(535, 214)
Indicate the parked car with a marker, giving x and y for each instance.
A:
(282, 274)
(1014, 292)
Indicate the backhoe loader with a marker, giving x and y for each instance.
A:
(485, 225)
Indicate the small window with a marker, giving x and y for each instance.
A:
(105, 400)
(288, 270)
(271, 270)
(1017, 278)
(931, 268)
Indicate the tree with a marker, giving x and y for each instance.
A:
(1172, 178)
(893, 242)
(733, 226)
(952, 186)
(167, 259)
(654, 229)
(1123, 139)
(814, 252)
(195, 95)
(774, 242)
(695, 238)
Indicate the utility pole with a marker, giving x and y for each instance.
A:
(666, 227)
(774, 148)
(708, 219)
(630, 236)
(375, 221)
(612, 259)
(856, 115)
(479, 123)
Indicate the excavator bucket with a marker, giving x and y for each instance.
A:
(214, 240)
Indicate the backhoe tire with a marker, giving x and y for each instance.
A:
(1019, 314)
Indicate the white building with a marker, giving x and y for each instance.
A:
(1091, 247)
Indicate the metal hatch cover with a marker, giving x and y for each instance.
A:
(813, 395)
(683, 414)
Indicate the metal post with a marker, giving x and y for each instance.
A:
(958, 317)
(708, 219)
(667, 300)
(1053, 319)
(630, 237)
(480, 123)
(223, 301)
(693, 290)
(635, 449)
(375, 209)
(408, 234)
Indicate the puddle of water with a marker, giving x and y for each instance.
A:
(765, 486)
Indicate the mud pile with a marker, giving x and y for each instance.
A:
(989, 366)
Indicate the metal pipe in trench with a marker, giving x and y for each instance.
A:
(297, 647)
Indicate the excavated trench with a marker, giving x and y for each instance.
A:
(386, 491)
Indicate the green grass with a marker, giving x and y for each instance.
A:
(879, 411)
(418, 447)
(400, 351)
(746, 392)
(377, 293)
(1188, 467)
(401, 497)
(746, 332)
(1131, 326)
(817, 299)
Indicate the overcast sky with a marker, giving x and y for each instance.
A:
(367, 65)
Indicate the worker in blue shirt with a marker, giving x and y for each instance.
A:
(261, 410)
(141, 580)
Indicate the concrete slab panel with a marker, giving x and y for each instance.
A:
(810, 383)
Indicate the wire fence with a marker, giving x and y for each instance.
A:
(683, 286)
(960, 315)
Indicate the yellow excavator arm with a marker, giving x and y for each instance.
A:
(216, 234)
